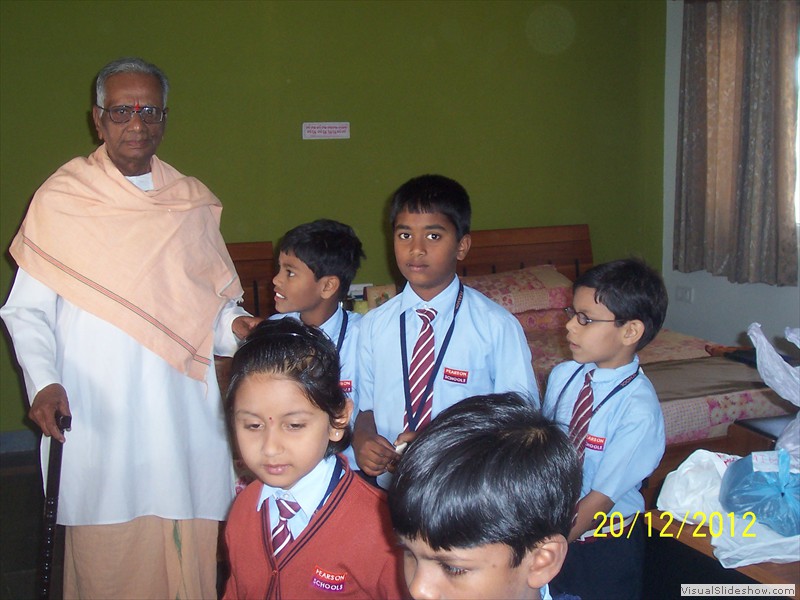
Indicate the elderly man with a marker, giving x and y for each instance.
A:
(124, 293)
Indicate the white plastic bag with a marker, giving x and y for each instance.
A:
(783, 379)
(693, 489)
(789, 440)
(694, 486)
(732, 550)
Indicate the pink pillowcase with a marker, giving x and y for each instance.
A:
(532, 288)
(541, 320)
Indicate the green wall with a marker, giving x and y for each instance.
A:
(547, 112)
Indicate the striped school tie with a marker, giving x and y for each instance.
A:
(581, 415)
(422, 360)
(281, 534)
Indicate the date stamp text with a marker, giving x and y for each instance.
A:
(697, 524)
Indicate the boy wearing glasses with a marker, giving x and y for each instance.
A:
(612, 414)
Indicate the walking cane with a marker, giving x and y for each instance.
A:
(50, 511)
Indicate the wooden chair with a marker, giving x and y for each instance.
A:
(255, 265)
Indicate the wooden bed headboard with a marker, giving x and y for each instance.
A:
(255, 266)
(567, 247)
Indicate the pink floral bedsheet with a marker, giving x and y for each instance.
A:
(709, 416)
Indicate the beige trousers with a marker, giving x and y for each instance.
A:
(147, 558)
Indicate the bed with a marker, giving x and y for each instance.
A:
(529, 272)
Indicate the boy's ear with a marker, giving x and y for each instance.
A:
(464, 245)
(348, 411)
(544, 562)
(329, 286)
(632, 332)
(336, 428)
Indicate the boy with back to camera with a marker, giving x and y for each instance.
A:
(437, 342)
(614, 419)
(483, 500)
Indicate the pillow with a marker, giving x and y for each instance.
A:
(533, 288)
(542, 320)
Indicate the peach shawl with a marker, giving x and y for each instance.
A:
(153, 264)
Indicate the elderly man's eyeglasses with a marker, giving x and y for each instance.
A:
(584, 320)
(124, 113)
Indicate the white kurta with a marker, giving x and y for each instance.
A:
(145, 439)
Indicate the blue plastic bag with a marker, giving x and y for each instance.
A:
(773, 496)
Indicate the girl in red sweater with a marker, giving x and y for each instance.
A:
(307, 527)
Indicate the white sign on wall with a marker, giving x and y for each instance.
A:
(326, 131)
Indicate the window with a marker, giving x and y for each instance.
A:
(735, 207)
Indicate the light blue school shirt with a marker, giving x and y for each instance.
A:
(347, 354)
(628, 430)
(487, 353)
(347, 358)
(308, 493)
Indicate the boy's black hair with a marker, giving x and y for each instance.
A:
(630, 289)
(290, 349)
(327, 248)
(489, 469)
(434, 194)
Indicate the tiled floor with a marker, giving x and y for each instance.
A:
(21, 506)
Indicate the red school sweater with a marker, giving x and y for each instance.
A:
(348, 549)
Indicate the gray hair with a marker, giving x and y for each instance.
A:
(129, 65)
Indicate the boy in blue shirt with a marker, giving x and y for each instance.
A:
(613, 416)
(482, 502)
(317, 263)
(437, 342)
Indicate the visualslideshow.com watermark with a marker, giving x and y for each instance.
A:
(738, 589)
